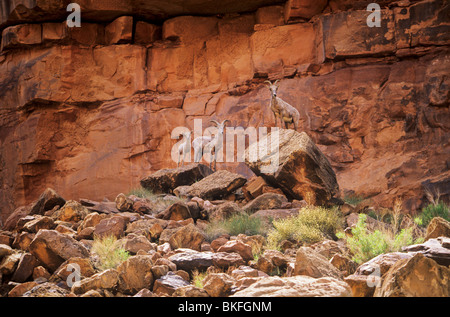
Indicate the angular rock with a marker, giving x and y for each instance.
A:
(9, 263)
(133, 243)
(224, 211)
(23, 240)
(217, 185)
(302, 172)
(72, 211)
(114, 226)
(46, 290)
(266, 201)
(309, 262)
(187, 237)
(5, 250)
(52, 248)
(189, 260)
(39, 223)
(418, 276)
(84, 264)
(368, 275)
(438, 227)
(343, 264)
(225, 260)
(177, 211)
(21, 289)
(25, 268)
(218, 284)
(123, 203)
(47, 201)
(91, 220)
(166, 180)
(135, 274)
(190, 291)
(244, 250)
(436, 249)
(107, 279)
(168, 284)
(296, 286)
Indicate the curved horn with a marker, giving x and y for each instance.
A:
(268, 81)
(225, 121)
(276, 82)
(215, 122)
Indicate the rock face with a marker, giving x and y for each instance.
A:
(302, 170)
(78, 113)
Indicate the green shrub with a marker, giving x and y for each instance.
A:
(439, 209)
(142, 192)
(353, 199)
(108, 252)
(198, 277)
(234, 225)
(365, 245)
(312, 224)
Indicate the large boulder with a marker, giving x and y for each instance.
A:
(296, 286)
(135, 274)
(47, 201)
(266, 201)
(296, 165)
(52, 248)
(216, 186)
(311, 263)
(169, 283)
(166, 180)
(418, 276)
(104, 280)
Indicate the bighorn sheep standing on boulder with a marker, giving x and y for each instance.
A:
(280, 108)
(207, 143)
(185, 147)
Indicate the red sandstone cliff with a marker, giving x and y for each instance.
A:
(89, 111)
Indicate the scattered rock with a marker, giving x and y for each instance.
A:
(418, 276)
(135, 274)
(133, 243)
(107, 279)
(436, 249)
(218, 284)
(123, 203)
(113, 226)
(86, 269)
(21, 289)
(244, 250)
(168, 284)
(166, 180)
(217, 185)
(309, 262)
(72, 211)
(266, 201)
(343, 264)
(52, 248)
(46, 290)
(190, 291)
(24, 268)
(46, 201)
(296, 286)
(438, 227)
(187, 237)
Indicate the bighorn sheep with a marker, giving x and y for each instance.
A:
(282, 109)
(184, 148)
(207, 143)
